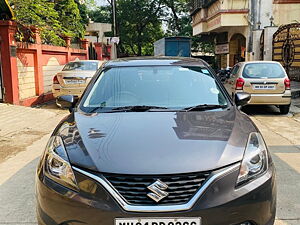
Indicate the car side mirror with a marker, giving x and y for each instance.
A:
(242, 98)
(67, 101)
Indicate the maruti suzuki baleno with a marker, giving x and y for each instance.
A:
(156, 141)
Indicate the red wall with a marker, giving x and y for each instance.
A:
(31, 55)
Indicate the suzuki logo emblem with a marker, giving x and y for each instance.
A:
(158, 190)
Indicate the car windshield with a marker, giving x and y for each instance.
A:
(80, 65)
(160, 86)
(263, 70)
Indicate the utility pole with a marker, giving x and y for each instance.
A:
(113, 2)
(114, 17)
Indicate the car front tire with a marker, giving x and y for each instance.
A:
(284, 109)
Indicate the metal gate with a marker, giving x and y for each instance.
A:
(262, 45)
(286, 49)
(92, 52)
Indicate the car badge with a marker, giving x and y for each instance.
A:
(158, 190)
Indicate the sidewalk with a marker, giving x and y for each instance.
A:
(295, 87)
(21, 126)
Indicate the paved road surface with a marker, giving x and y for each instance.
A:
(281, 133)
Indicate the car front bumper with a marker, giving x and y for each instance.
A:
(221, 203)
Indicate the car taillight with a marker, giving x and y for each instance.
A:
(55, 80)
(239, 84)
(287, 83)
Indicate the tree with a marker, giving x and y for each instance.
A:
(139, 25)
(178, 18)
(70, 18)
(54, 19)
(41, 14)
(179, 24)
(102, 14)
(83, 12)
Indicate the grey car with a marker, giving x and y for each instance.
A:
(156, 141)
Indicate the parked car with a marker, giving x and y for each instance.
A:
(156, 141)
(224, 74)
(74, 77)
(266, 81)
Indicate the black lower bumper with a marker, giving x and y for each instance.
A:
(221, 204)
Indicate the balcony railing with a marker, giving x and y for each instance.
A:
(195, 5)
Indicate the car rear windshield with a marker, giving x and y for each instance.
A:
(263, 70)
(81, 66)
(162, 86)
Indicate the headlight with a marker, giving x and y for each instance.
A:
(56, 164)
(255, 161)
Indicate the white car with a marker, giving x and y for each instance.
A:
(74, 77)
(266, 81)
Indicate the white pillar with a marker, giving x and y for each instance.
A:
(268, 42)
(113, 51)
(256, 44)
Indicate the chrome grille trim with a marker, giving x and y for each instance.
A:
(135, 188)
(157, 208)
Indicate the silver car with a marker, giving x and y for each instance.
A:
(74, 77)
(266, 81)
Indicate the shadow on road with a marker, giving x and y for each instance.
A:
(266, 110)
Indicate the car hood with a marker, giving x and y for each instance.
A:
(156, 142)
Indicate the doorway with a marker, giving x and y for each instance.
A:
(237, 49)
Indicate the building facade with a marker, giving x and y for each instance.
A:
(242, 29)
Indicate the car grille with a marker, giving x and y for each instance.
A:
(181, 188)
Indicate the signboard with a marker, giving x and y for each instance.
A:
(222, 49)
(115, 40)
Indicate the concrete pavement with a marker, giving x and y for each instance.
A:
(283, 141)
(21, 126)
(24, 133)
(17, 184)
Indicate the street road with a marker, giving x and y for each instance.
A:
(281, 134)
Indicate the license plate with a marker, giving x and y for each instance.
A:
(74, 81)
(159, 221)
(264, 87)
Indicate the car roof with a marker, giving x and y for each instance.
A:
(252, 62)
(155, 61)
(85, 60)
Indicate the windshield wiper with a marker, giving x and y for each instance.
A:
(204, 107)
(136, 108)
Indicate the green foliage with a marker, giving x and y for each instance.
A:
(203, 43)
(178, 18)
(70, 18)
(83, 11)
(102, 14)
(179, 23)
(53, 19)
(139, 25)
(41, 14)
